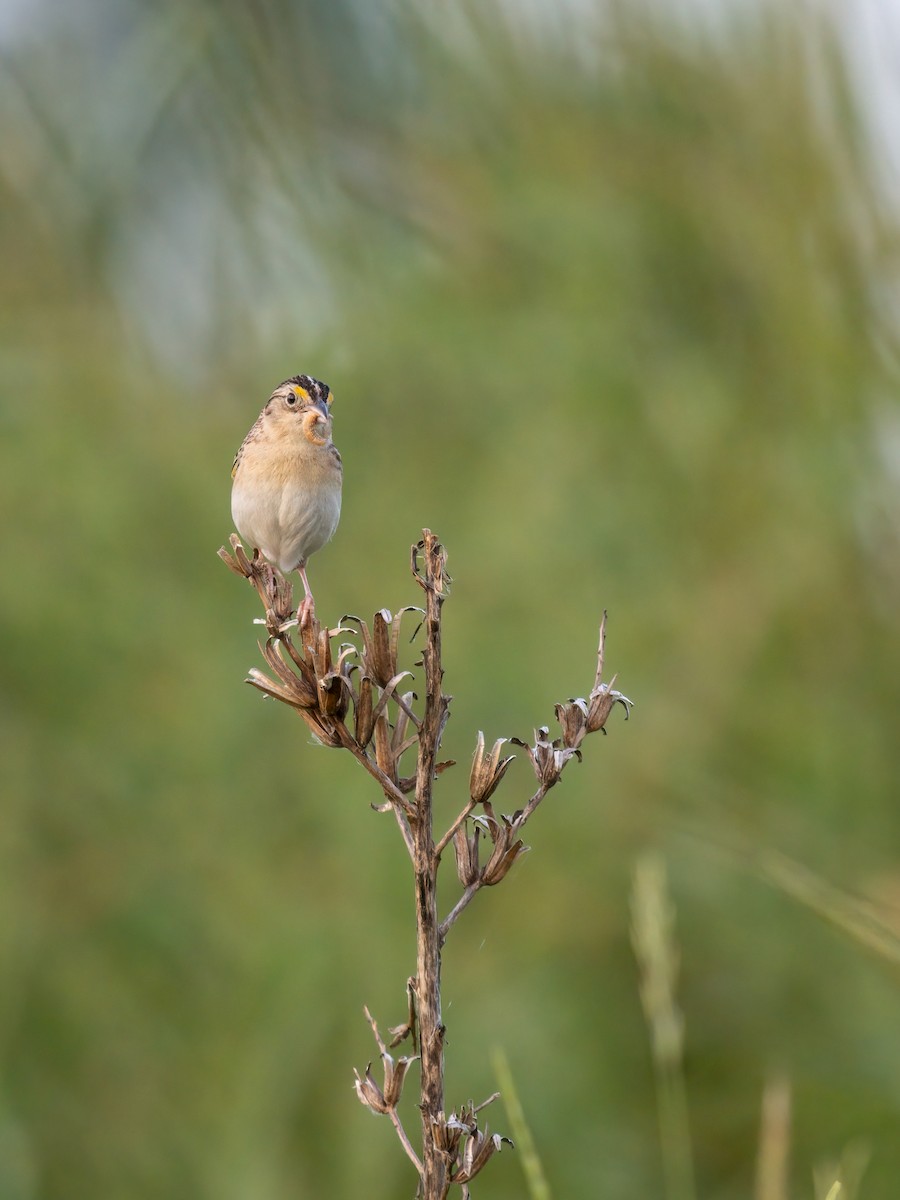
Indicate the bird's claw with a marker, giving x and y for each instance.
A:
(306, 612)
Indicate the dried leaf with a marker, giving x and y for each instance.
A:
(364, 716)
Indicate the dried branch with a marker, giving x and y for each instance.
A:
(349, 699)
(401, 807)
(432, 577)
(549, 759)
(451, 832)
(385, 1100)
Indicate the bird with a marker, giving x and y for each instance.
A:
(287, 476)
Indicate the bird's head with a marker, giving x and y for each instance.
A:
(306, 400)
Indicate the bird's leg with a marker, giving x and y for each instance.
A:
(308, 607)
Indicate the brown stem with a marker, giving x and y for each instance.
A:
(534, 802)
(395, 1120)
(399, 803)
(475, 887)
(460, 820)
(463, 902)
(428, 940)
(405, 1142)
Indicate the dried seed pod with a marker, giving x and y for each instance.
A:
(465, 845)
(487, 770)
(480, 1147)
(547, 758)
(507, 848)
(301, 682)
(384, 756)
(364, 719)
(334, 699)
(369, 1093)
(572, 718)
(602, 701)
(383, 1100)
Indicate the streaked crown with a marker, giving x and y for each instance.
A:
(313, 390)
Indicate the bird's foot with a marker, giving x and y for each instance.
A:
(306, 613)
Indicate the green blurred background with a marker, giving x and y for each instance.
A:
(605, 297)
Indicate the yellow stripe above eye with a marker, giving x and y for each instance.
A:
(301, 393)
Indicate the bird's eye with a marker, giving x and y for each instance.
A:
(291, 398)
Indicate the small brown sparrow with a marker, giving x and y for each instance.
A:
(286, 495)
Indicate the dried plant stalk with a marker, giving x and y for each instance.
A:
(348, 696)
(431, 576)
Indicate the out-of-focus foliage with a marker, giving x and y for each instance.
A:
(605, 298)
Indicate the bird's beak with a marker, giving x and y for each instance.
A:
(322, 408)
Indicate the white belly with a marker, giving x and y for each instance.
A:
(285, 522)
